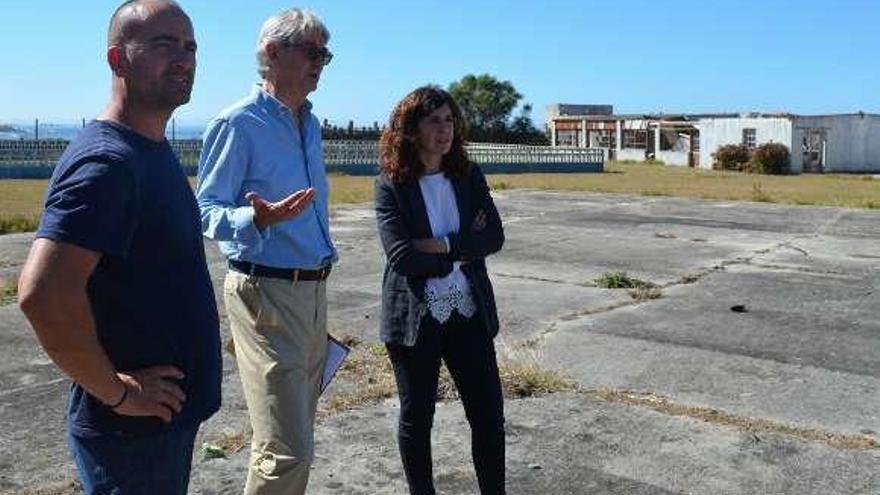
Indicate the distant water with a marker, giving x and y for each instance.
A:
(69, 131)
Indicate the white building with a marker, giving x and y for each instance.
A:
(818, 143)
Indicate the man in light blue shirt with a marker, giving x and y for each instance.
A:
(263, 194)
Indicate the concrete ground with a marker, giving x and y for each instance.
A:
(678, 394)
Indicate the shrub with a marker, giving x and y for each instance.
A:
(731, 157)
(770, 158)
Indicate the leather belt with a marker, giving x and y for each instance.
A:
(294, 274)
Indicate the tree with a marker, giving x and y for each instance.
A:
(485, 102)
(523, 131)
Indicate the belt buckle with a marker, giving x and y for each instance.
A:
(325, 272)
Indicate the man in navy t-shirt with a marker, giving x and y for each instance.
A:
(116, 285)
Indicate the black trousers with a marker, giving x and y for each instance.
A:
(464, 345)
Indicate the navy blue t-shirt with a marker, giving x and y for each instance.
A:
(125, 196)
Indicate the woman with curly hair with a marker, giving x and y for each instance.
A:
(437, 224)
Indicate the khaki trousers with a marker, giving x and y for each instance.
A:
(280, 332)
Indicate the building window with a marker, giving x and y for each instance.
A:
(568, 138)
(750, 138)
(603, 139)
(633, 138)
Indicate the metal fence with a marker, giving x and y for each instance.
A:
(28, 156)
(34, 153)
(488, 153)
(361, 152)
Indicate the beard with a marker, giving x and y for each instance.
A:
(174, 92)
(166, 93)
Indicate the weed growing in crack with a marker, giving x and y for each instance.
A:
(621, 280)
(645, 293)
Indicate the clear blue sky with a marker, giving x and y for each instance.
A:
(801, 56)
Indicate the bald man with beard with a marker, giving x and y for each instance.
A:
(116, 286)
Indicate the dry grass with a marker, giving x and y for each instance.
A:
(366, 378)
(23, 199)
(641, 294)
(346, 189)
(13, 224)
(231, 442)
(718, 417)
(660, 180)
(21, 204)
(523, 377)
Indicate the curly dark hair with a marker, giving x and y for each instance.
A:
(398, 153)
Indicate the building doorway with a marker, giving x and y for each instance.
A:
(814, 147)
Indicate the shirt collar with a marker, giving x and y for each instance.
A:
(269, 102)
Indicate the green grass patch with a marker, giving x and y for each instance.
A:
(639, 290)
(621, 280)
(8, 292)
(227, 443)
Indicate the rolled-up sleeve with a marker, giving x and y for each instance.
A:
(223, 165)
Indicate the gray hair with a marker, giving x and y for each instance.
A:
(290, 26)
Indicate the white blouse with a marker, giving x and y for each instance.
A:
(452, 292)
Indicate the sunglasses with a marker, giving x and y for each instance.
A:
(313, 52)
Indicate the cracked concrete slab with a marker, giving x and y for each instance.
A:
(803, 353)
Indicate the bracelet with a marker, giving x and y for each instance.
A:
(121, 399)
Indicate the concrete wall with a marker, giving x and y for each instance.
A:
(26, 172)
(679, 158)
(718, 132)
(637, 154)
(796, 150)
(852, 141)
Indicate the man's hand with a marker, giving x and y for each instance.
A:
(430, 245)
(266, 213)
(152, 393)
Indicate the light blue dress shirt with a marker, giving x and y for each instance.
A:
(260, 145)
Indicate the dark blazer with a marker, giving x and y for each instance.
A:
(402, 217)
